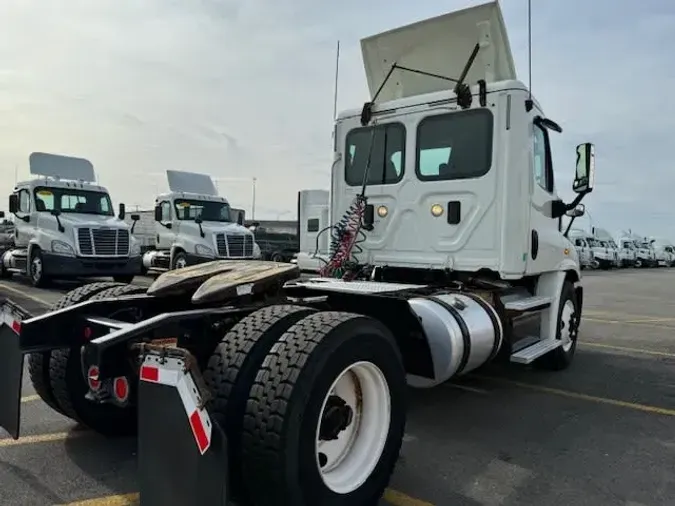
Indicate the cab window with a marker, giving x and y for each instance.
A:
(24, 201)
(381, 148)
(543, 166)
(166, 210)
(453, 146)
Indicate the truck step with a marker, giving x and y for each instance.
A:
(536, 302)
(530, 353)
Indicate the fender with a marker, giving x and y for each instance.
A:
(550, 285)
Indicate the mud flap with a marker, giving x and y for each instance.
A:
(182, 451)
(11, 368)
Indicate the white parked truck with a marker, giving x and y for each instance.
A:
(627, 252)
(65, 226)
(193, 224)
(663, 250)
(580, 238)
(645, 256)
(461, 260)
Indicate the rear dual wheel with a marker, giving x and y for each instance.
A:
(70, 387)
(38, 363)
(318, 412)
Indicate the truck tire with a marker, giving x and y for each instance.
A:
(36, 269)
(568, 331)
(232, 369)
(70, 387)
(179, 260)
(38, 363)
(296, 389)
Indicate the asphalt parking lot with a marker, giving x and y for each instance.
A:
(600, 433)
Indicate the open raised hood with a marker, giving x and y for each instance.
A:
(190, 182)
(61, 167)
(442, 46)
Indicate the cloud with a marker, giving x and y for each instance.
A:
(245, 89)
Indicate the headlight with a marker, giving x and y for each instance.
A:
(62, 248)
(135, 248)
(204, 251)
(256, 250)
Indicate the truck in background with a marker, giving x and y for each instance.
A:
(193, 224)
(605, 240)
(645, 256)
(664, 251)
(627, 252)
(314, 230)
(580, 239)
(65, 226)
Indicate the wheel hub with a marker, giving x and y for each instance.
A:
(338, 415)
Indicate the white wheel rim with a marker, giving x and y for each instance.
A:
(37, 268)
(180, 263)
(567, 330)
(350, 459)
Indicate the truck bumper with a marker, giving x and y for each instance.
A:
(57, 265)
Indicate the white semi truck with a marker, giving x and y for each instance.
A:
(582, 241)
(447, 185)
(664, 251)
(645, 256)
(193, 224)
(65, 226)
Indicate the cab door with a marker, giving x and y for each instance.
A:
(166, 231)
(24, 225)
(545, 239)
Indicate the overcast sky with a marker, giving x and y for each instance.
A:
(241, 89)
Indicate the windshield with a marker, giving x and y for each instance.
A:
(187, 209)
(592, 242)
(645, 245)
(73, 200)
(628, 245)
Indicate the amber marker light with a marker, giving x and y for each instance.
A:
(437, 210)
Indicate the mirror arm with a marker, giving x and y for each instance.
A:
(133, 225)
(569, 226)
(201, 230)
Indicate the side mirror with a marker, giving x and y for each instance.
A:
(55, 212)
(240, 219)
(123, 211)
(135, 217)
(584, 179)
(198, 220)
(578, 211)
(158, 213)
(13, 203)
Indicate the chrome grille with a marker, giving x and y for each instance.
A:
(103, 242)
(234, 245)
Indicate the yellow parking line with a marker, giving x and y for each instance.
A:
(655, 410)
(111, 500)
(396, 498)
(30, 398)
(41, 438)
(629, 350)
(23, 294)
(393, 497)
